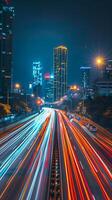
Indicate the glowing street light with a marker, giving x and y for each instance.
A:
(32, 95)
(17, 86)
(99, 61)
(74, 88)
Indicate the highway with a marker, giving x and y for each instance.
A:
(49, 157)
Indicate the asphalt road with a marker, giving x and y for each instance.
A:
(26, 151)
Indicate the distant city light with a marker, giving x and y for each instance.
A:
(17, 86)
(73, 87)
(30, 86)
(47, 76)
(40, 102)
(99, 60)
(51, 76)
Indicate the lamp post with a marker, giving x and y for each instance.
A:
(39, 102)
(73, 88)
(17, 87)
(84, 96)
(99, 62)
(8, 97)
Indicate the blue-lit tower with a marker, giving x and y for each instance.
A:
(37, 79)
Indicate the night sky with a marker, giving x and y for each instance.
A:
(84, 26)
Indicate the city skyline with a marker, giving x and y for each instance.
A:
(56, 108)
(84, 28)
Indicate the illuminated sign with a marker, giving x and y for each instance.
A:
(47, 76)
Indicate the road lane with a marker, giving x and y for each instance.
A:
(26, 156)
(24, 170)
(99, 178)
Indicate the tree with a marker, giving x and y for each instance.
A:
(5, 109)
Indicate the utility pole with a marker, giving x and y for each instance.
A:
(8, 97)
(84, 95)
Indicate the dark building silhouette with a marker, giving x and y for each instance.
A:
(108, 70)
(48, 87)
(6, 38)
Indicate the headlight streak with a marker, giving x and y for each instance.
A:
(26, 156)
(40, 167)
(102, 137)
(26, 121)
(46, 152)
(14, 155)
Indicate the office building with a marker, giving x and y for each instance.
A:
(37, 79)
(103, 88)
(108, 70)
(6, 39)
(48, 87)
(85, 76)
(60, 59)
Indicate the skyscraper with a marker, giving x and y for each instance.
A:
(6, 38)
(37, 79)
(48, 87)
(85, 81)
(85, 76)
(60, 59)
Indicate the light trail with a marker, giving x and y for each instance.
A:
(98, 167)
(20, 148)
(26, 158)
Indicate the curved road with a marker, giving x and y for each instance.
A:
(26, 151)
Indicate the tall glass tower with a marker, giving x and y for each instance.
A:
(48, 87)
(60, 59)
(6, 38)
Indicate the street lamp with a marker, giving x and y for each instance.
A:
(99, 62)
(39, 103)
(17, 86)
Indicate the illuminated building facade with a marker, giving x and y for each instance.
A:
(103, 88)
(108, 70)
(37, 79)
(85, 81)
(60, 59)
(48, 87)
(85, 76)
(6, 39)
